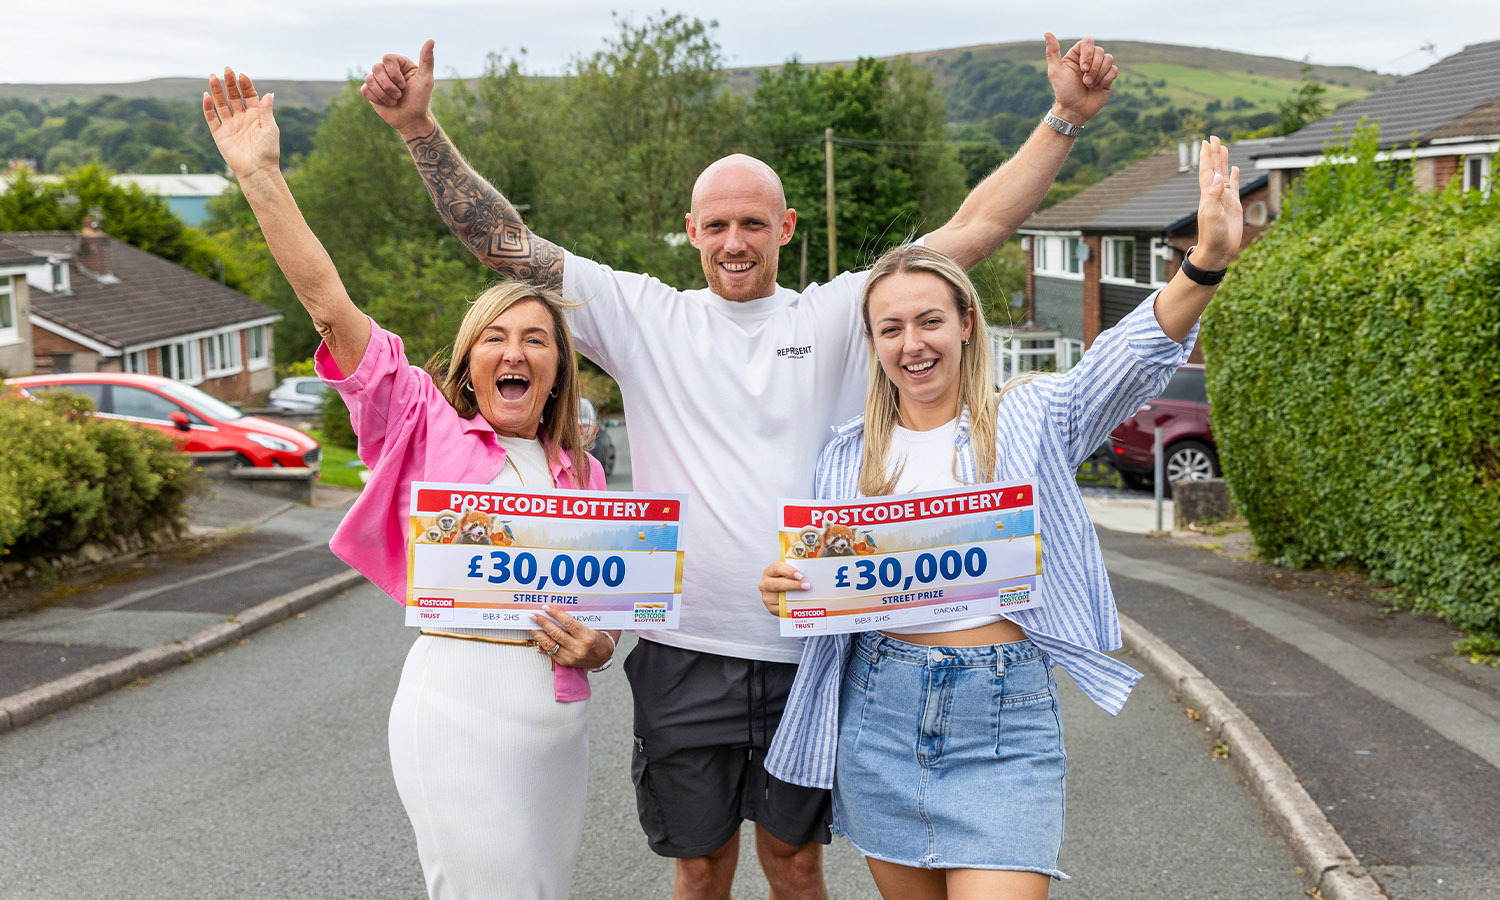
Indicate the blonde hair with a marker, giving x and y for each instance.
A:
(560, 412)
(975, 383)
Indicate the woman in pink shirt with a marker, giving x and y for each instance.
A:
(489, 743)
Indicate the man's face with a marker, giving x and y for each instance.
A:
(738, 223)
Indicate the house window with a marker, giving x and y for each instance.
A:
(1477, 173)
(135, 361)
(255, 339)
(221, 354)
(181, 362)
(1118, 263)
(1057, 255)
(9, 333)
(1160, 256)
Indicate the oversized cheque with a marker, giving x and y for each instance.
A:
(911, 558)
(482, 557)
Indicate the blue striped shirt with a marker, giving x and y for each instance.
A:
(1045, 429)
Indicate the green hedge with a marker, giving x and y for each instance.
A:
(67, 478)
(1354, 369)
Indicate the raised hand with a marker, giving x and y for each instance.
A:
(401, 91)
(1081, 79)
(241, 124)
(1221, 220)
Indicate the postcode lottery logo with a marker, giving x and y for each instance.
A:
(651, 612)
(1014, 596)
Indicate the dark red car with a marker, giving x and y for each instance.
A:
(1187, 437)
(201, 423)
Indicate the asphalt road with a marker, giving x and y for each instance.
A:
(262, 771)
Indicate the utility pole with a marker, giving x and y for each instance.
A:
(833, 235)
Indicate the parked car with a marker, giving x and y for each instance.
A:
(201, 423)
(595, 438)
(1187, 438)
(300, 393)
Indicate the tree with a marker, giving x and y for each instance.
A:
(1305, 106)
(895, 175)
(124, 211)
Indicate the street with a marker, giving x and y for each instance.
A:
(261, 771)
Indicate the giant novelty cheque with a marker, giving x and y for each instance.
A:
(482, 557)
(911, 558)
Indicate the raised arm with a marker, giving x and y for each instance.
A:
(400, 90)
(245, 132)
(1221, 228)
(1001, 202)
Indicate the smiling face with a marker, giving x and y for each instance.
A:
(918, 335)
(739, 223)
(513, 366)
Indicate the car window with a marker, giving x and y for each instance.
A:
(139, 403)
(92, 390)
(310, 387)
(1187, 384)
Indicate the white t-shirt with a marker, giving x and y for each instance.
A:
(926, 461)
(525, 463)
(728, 403)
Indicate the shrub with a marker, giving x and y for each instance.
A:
(335, 425)
(1354, 366)
(67, 478)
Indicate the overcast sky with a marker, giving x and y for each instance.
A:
(106, 40)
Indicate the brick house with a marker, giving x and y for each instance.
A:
(1094, 257)
(87, 302)
(1443, 121)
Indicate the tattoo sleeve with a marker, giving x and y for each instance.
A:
(481, 217)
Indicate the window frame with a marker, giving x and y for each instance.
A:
(252, 361)
(1056, 256)
(221, 354)
(190, 358)
(1158, 259)
(1486, 173)
(1107, 249)
(9, 334)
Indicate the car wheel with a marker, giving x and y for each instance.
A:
(1191, 460)
(241, 461)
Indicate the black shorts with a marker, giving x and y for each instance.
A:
(703, 724)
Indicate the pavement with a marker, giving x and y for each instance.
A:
(1373, 747)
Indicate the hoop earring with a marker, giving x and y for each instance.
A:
(467, 383)
(554, 391)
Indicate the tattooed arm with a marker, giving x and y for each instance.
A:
(400, 91)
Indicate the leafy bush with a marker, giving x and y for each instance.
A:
(336, 427)
(1354, 366)
(67, 478)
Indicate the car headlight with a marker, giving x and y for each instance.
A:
(272, 443)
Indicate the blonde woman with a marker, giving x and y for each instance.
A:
(942, 743)
(488, 740)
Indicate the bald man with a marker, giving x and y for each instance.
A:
(729, 395)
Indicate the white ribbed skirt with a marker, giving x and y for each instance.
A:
(493, 771)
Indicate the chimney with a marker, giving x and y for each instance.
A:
(93, 253)
(1182, 155)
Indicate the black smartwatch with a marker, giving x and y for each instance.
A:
(1200, 276)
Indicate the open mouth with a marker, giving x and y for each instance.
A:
(921, 368)
(735, 267)
(512, 386)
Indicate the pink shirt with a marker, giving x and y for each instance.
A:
(409, 432)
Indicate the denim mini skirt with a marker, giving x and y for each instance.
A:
(950, 757)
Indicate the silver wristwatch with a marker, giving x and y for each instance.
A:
(1060, 125)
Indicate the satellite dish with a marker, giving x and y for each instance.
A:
(1083, 252)
(1256, 214)
(1018, 299)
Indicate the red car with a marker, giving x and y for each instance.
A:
(1187, 437)
(201, 423)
